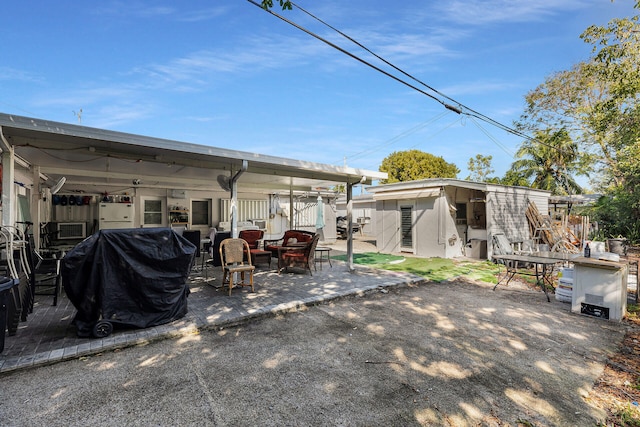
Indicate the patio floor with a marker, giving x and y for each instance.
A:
(48, 335)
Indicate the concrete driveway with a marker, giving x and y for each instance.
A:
(454, 353)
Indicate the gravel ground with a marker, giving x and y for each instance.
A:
(454, 353)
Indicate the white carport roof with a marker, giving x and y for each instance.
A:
(108, 160)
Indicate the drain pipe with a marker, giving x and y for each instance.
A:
(234, 198)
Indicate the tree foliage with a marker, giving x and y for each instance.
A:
(594, 100)
(415, 164)
(268, 4)
(480, 168)
(597, 102)
(549, 162)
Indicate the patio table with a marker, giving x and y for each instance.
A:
(320, 252)
(543, 267)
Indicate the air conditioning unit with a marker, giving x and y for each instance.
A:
(599, 288)
(71, 230)
(260, 223)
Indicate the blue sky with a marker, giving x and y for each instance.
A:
(227, 74)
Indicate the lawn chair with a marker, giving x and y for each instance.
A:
(232, 256)
(502, 245)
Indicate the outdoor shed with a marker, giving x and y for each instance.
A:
(449, 218)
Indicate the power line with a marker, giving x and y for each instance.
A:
(459, 108)
(396, 138)
(357, 58)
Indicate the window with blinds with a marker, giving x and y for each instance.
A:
(406, 226)
(247, 209)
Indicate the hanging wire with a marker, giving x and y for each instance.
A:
(398, 137)
(458, 108)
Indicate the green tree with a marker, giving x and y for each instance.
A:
(594, 100)
(480, 168)
(598, 102)
(513, 177)
(268, 4)
(548, 162)
(415, 164)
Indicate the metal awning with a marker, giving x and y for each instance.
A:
(407, 194)
(109, 160)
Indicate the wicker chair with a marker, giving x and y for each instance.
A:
(232, 255)
(298, 257)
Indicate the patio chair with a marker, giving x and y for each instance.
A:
(232, 256)
(502, 245)
(290, 238)
(252, 237)
(46, 278)
(298, 257)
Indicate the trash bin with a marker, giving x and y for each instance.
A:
(478, 248)
(6, 284)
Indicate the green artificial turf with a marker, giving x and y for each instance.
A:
(435, 269)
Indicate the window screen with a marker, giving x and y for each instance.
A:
(406, 226)
(152, 212)
(200, 212)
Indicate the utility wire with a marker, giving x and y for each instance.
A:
(376, 55)
(346, 52)
(404, 134)
(459, 105)
(459, 108)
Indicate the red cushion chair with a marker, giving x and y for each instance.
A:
(252, 237)
(290, 238)
(298, 257)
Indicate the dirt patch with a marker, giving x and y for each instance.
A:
(618, 388)
(437, 354)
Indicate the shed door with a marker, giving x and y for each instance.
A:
(406, 228)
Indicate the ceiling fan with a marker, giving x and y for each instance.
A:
(58, 185)
(224, 182)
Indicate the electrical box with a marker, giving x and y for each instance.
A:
(115, 215)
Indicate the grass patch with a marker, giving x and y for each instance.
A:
(435, 269)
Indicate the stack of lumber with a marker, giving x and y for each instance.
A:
(543, 230)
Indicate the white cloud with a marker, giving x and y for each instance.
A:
(481, 12)
(8, 73)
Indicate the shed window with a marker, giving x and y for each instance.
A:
(406, 223)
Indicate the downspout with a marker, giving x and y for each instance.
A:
(8, 175)
(442, 223)
(350, 228)
(234, 198)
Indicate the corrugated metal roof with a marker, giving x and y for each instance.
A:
(89, 156)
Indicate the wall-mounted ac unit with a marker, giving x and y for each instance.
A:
(71, 230)
(260, 223)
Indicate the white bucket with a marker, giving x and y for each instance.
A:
(563, 297)
(565, 283)
(566, 273)
(597, 246)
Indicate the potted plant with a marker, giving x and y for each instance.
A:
(617, 245)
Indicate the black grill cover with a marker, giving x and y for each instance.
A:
(130, 277)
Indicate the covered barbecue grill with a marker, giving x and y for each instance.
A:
(128, 277)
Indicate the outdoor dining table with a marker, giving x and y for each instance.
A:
(543, 262)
